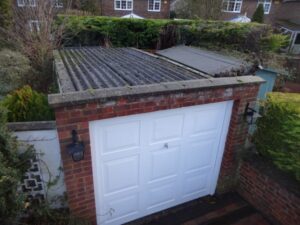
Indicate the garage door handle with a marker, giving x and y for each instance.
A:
(166, 145)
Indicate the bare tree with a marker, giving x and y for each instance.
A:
(204, 9)
(36, 33)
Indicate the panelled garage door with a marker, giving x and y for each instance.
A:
(149, 162)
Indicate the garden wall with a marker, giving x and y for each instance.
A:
(269, 190)
(45, 179)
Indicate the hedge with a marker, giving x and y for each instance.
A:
(278, 132)
(153, 34)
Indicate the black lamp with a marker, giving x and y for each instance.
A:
(250, 114)
(76, 148)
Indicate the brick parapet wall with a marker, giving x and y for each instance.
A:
(78, 175)
(269, 195)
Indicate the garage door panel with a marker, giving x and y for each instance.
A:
(122, 208)
(163, 164)
(121, 174)
(116, 140)
(161, 195)
(200, 155)
(201, 125)
(166, 128)
(195, 184)
(150, 162)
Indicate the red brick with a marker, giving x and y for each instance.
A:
(78, 176)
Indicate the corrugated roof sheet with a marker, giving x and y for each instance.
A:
(86, 68)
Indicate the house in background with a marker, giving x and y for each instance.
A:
(150, 9)
(28, 10)
(284, 14)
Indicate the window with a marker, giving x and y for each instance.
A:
(58, 4)
(297, 39)
(123, 4)
(34, 26)
(267, 5)
(32, 3)
(232, 6)
(21, 3)
(154, 5)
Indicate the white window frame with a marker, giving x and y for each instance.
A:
(265, 3)
(127, 9)
(35, 23)
(21, 3)
(235, 2)
(154, 2)
(58, 4)
(32, 3)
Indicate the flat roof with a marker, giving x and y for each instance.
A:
(292, 25)
(209, 62)
(94, 73)
(99, 68)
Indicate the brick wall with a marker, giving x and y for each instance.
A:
(140, 7)
(268, 195)
(78, 175)
(279, 10)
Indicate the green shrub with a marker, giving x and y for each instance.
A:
(13, 69)
(275, 42)
(278, 132)
(26, 104)
(148, 34)
(13, 165)
(258, 15)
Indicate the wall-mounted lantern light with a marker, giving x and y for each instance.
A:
(76, 148)
(250, 115)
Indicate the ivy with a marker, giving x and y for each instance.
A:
(13, 165)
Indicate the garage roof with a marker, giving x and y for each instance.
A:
(209, 62)
(89, 73)
(99, 68)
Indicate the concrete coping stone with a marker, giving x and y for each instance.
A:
(31, 126)
(81, 97)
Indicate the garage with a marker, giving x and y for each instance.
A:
(153, 133)
(168, 158)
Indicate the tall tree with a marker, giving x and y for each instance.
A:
(258, 15)
(204, 9)
(5, 13)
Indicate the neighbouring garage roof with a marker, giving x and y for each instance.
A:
(89, 73)
(209, 62)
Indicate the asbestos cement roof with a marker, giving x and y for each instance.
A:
(94, 73)
(88, 68)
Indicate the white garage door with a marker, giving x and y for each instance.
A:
(149, 162)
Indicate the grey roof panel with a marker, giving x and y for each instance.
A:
(102, 68)
(205, 61)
